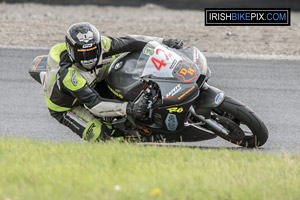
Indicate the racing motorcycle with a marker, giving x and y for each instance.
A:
(182, 106)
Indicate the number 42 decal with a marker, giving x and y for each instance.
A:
(159, 63)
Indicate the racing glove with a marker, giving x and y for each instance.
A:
(173, 43)
(137, 110)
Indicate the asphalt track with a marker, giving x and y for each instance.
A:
(270, 87)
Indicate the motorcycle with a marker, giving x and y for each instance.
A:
(182, 106)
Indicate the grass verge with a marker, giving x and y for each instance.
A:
(37, 170)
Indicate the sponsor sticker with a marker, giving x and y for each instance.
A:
(148, 51)
(174, 63)
(115, 93)
(85, 37)
(118, 65)
(73, 77)
(171, 122)
(87, 46)
(86, 62)
(175, 109)
(188, 91)
(196, 56)
(84, 50)
(219, 98)
(187, 72)
(174, 91)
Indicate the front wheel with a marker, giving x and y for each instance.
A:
(241, 122)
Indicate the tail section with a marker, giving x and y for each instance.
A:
(38, 69)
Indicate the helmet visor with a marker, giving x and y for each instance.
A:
(88, 58)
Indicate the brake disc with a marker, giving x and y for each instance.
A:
(235, 132)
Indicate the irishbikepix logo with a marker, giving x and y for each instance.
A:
(247, 17)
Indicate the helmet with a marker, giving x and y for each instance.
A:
(83, 45)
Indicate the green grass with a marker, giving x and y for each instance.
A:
(37, 170)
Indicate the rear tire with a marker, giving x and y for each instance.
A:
(241, 114)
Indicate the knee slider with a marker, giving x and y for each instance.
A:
(93, 131)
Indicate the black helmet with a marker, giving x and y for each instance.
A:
(83, 44)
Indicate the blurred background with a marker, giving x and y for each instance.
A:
(43, 23)
(177, 4)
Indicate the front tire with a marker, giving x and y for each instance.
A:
(241, 115)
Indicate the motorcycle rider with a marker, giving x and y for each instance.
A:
(73, 70)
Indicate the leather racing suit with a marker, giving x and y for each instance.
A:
(69, 89)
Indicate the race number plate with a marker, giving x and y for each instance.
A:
(161, 61)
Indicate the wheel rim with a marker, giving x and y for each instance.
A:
(249, 138)
(235, 132)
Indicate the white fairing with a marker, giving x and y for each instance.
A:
(162, 61)
(42, 77)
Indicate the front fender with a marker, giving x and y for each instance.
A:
(209, 98)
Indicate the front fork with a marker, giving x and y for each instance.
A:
(209, 98)
(212, 123)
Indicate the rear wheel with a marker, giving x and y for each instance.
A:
(245, 127)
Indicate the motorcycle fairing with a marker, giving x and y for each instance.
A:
(124, 77)
(189, 133)
(176, 72)
(169, 118)
(38, 69)
(170, 121)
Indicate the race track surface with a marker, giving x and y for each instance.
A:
(269, 87)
